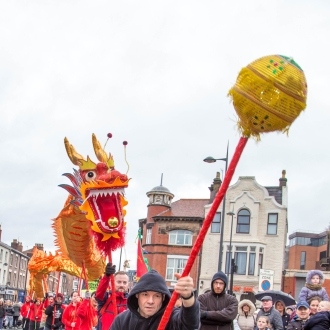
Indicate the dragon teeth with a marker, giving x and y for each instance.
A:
(105, 192)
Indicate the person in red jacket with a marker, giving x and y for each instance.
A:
(70, 318)
(87, 312)
(25, 312)
(104, 297)
(35, 314)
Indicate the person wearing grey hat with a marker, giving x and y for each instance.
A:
(268, 309)
(266, 298)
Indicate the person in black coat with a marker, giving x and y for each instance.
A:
(280, 306)
(148, 300)
(299, 321)
(54, 314)
(320, 320)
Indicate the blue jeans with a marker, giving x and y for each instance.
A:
(10, 320)
(1, 322)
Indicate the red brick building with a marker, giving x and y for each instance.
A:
(169, 232)
(306, 251)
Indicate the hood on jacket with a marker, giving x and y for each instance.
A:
(311, 273)
(219, 276)
(151, 281)
(243, 303)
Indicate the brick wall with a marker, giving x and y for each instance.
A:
(312, 255)
(159, 249)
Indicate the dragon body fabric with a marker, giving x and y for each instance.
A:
(91, 223)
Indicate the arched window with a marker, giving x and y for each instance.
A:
(243, 222)
(180, 237)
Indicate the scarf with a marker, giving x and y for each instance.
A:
(314, 287)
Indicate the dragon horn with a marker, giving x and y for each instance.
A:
(72, 153)
(99, 152)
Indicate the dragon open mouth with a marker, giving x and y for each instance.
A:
(107, 209)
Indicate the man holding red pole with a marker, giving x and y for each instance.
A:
(104, 298)
(54, 314)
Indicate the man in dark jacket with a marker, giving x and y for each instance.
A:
(298, 322)
(104, 297)
(147, 302)
(218, 309)
(267, 309)
(54, 314)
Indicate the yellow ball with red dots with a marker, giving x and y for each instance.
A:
(269, 95)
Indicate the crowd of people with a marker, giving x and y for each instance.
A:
(312, 312)
(145, 304)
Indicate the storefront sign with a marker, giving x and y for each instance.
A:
(238, 288)
(11, 292)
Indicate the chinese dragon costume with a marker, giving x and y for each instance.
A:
(91, 223)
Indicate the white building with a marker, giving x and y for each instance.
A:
(4, 268)
(259, 231)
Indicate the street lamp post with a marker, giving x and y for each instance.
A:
(232, 259)
(213, 160)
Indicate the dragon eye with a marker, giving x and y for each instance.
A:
(89, 176)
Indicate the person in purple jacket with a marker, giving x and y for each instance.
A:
(313, 286)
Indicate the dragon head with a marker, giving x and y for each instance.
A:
(98, 191)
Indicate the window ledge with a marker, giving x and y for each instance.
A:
(272, 235)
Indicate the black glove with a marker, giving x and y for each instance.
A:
(53, 326)
(110, 269)
(87, 295)
(203, 315)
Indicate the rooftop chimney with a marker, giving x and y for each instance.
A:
(215, 186)
(39, 246)
(20, 247)
(14, 244)
(283, 179)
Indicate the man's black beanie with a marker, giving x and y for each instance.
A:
(220, 276)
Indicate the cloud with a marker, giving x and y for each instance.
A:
(156, 74)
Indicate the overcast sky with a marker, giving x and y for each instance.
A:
(154, 73)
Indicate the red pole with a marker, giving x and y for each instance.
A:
(57, 288)
(113, 295)
(206, 224)
(79, 282)
(85, 277)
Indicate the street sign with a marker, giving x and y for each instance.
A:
(266, 279)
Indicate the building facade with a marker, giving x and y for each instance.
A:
(169, 232)
(13, 271)
(257, 230)
(306, 251)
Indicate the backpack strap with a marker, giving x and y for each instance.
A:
(106, 305)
